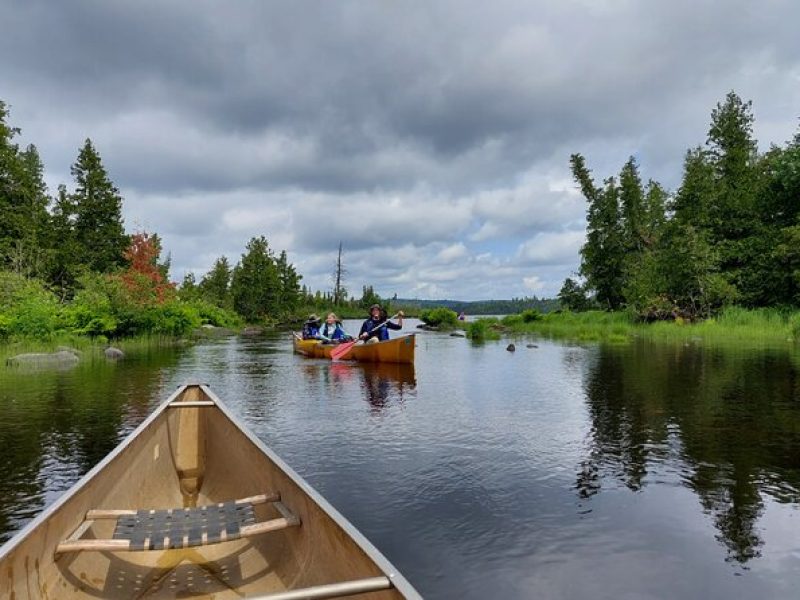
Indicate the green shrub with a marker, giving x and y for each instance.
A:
(29, 309)
(92, 311)
(481, 330)
(530, 315)
(211, 314)
(439, 317)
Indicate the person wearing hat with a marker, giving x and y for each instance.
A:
(311, 328)
(377, 327)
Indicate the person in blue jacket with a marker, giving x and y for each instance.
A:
(332, 331)
(377, 327)
(311, 328)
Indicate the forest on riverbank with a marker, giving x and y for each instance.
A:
(729, 236)
(69, 268)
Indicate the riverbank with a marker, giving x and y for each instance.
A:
(735, 325)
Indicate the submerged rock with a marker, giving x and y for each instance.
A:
(457, 334)
(113, 353)
(531, 346)
(62, 358)
(511, 348)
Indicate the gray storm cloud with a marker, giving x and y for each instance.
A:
(399, 128)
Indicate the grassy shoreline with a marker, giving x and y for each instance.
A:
(733, 325)
(88, 348)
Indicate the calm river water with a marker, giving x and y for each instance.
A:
(559, 471)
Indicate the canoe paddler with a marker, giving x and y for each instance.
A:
(376, 327)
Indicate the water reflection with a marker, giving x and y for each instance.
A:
(385, 383)
(382, 384)
(56, 425)
(721, 423)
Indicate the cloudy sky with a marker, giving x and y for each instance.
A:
(431, 137)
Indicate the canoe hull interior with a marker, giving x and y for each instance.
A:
(183, 457)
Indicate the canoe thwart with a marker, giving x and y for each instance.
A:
(152, 529)
(332, 590)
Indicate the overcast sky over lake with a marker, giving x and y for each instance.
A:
(431, 137)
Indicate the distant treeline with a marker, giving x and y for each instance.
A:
(729, 235)
(486, 307)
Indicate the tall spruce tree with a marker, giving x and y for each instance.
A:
(97, 203)
(289, 294)
(215, 285)
(603, 255)
(255, 285)
(632, 207)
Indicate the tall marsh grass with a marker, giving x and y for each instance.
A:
(766, 326)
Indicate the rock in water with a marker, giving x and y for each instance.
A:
(532, 346)
(511, 347)
(62, 358)
(113, 353)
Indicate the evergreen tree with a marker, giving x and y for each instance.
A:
(632, 207)
(603, 255)
(188, 290)
(66, 264)
(368, 297)
(215, 285)
(98, 213)
(289, 295)
(31, 248)
(573, 297)
(255, 285)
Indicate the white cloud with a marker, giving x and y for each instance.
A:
(552, 248)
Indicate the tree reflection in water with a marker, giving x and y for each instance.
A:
(724, 422)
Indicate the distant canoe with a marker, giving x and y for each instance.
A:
(398, 350)
(192, 505)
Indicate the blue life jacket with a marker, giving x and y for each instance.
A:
(337, 333)
(382, 332)
(310, 331)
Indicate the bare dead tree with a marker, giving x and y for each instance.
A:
(339, 291)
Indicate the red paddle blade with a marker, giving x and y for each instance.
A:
(341, 350)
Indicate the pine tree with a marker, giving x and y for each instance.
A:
(632, 209)
(97, 203)
(255, 285)
(603, 255)
(31, 248)
(215, 285)
(289, 295)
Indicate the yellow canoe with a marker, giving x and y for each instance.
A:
(192, 505)
(398, 350)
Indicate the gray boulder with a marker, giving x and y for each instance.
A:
(113, 353)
